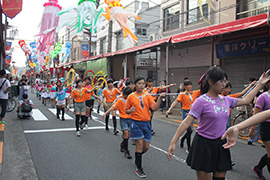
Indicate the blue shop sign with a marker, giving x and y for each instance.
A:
(245, 47)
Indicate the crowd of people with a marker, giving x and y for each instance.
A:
(211, 105)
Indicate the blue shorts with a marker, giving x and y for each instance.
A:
(185, 114)
(125, 124)
(141, 130)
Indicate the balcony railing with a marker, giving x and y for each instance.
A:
(253, 12)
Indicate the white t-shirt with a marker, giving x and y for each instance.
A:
(26, 114)
(5, 86)
(37, 81)
(30, 102)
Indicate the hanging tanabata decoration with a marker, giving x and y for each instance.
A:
(200, 3)
(87, 15)
(48, 25)
(116, 11)
(33, 56)
(24, 47)
(66, 51)
(56, 51)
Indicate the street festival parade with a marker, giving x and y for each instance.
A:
(130, 89)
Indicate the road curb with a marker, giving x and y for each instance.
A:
(2, 128)
(17, 159)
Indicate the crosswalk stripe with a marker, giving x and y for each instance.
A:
(38, 115)
(59, 130)
(67, 117)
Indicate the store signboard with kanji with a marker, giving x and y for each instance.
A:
(245, 47)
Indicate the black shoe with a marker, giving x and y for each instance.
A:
(98, 111)
(90, 117)
(140, 173)
(233, 163)
(81, 126)
(263, 145)
(106, 128)
(116, 132)
(121, 147)
(181, 144)
(57, 116)
(249, 143)
(63, 118)
(153, 132)
(258, 173)
(127, 155)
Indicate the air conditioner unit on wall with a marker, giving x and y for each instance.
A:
(152, 37)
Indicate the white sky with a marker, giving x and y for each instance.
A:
(28, 20)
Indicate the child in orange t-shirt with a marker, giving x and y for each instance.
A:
(90, 97)
(138, 105)
(124, 120)
(154, 91)
(186, 98)
(109, 96)
(79, 95)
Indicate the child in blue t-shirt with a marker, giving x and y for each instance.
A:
(61, 100)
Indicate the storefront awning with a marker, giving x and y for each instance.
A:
(125, 51)
(241, 24)
(96, 66)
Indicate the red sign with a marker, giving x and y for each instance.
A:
(8, 60)
(85, 51)
(12, 7)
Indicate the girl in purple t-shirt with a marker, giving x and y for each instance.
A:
(263, 104)
(207, 155)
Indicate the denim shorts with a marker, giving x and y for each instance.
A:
(141, 130)
(185, 114)
(125, 124)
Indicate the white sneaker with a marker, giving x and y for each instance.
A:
(78, 133)
(86, 126)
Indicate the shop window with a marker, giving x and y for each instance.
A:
(119, 40)
(74, 53)
(247, 8)
(194, 13)
(171, 18)
(103, 46)
(141, 31)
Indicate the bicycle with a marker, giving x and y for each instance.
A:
(11, 103)
(244, 113)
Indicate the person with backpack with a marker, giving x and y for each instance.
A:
(25, 107)
(4, 89)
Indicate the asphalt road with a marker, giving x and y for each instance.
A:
(48, 149)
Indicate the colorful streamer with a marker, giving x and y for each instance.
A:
(87, 15)
(116, 11)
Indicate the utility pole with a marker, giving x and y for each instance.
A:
(6, 24)
(2, 50)
(90, 43)
(110, 37)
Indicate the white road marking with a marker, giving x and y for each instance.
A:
(60, 130)
(67, 117)
(91, 128)
(102, 112)
(38, 115)
(156, 148)
(72, 110)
